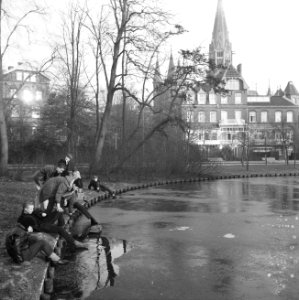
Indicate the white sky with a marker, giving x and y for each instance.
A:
(263, 33)
(264, 36)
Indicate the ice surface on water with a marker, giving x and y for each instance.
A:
(281, 266)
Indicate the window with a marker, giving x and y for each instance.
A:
(19, 76)
(202, 98)
(252, 117)
(238, 98)
(238, 114)
(13, 93)
(214, 135)
(190, 99)
(33, 78)
(278, 135)
(213, 117)
(277, 116)
(201, 116)
(223, 99)
(233, 84)
(26, 76)
(264, 116)
(212, 98)
(290, 116)
(190, 116)
(35, 113)
(15, 113)
(38, 95)
(223, 115)
(219, 54)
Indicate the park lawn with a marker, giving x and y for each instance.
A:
(255, 169)
(12, 195)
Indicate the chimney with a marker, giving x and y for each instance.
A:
(239, 69)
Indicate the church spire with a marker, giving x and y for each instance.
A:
(157, 75)
(269, 92)
(220, 47)
(171, 67)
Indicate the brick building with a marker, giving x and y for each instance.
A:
(25, 92)
(239, 118)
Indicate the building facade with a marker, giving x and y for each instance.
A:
(25, 92)
(240, 119)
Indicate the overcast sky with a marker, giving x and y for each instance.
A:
(264, 36)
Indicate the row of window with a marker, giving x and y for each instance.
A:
(202, 99)
(252, 117)
(265, 117)
(25, 76)
(34, 113)
(238, 135)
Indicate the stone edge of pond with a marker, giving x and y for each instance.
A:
(34, 280)
(44, 287)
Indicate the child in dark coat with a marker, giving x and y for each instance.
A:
(98, 186)
(38, 221)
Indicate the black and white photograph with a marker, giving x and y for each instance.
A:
(149, 149)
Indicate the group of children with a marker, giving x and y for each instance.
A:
(57, 187)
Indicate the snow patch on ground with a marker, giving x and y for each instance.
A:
(229, 236)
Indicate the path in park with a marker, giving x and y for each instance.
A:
(227, 239)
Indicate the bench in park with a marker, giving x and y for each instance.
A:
(269, 159)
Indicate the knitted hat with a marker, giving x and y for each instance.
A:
(61, 164)
(69, 155)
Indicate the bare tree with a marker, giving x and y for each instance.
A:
(71, 56)
(122, 15)
(173, 92)
(285, 134)
(125, 33)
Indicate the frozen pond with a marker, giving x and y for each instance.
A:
(227, 239)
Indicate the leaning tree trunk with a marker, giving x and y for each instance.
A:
(3, 129)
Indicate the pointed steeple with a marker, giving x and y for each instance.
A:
(220, 47)
(157, 76)
(269, 92)
(279, 92)
(171, 68)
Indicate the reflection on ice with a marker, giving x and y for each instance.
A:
(97, 264)
(90, 270)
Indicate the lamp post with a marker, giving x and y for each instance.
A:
(247, 148)
(265, 137)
